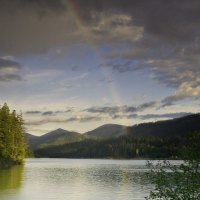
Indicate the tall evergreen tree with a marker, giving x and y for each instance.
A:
(12, 141)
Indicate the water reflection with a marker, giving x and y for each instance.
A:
(11, 179)
(74, 179)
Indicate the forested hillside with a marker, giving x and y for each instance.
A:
(53, 138)
(161, 139)
(168, 128)
(12, 142)
(107, 131)
(127, 146)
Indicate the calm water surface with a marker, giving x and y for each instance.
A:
(75, 179)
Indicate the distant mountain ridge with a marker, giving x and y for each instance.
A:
(166, 128)
(53, 138)
(107, 131)
(158, 140)
(177, 126)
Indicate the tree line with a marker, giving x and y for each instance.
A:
(128, 146)
(159, 140)
(12, 140)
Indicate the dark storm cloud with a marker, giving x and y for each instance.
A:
(162, 36)
(37, 5)
(39, 25)
(32, 26)
(173, 20)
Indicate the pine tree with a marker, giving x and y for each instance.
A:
(12, 141)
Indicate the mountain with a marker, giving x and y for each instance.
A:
(162, 139)
(29, 137)
(53, 138)
(166, 128)
(177, 126)
(107, 131)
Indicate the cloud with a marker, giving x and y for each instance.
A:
(175, 67)
(166, 115)
(9, 70)
(33, 26)
(147, 105)
(66, 111)
(185, 90)
(32, 112)
(120, 116)
(83, 119)
(152, 116)
(115, 110)
(48, 113)
(10, 77)
(6, 63)
(38, 26)
(159, 36)
(120, 67)
(113, 27)
(171, 68)
(104, 110)
(168, 20)
(80, 119)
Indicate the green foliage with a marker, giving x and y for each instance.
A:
(178, 182)
(166, 128)
(127, 146)
(159, 140)
(12, 142)
(53, 138)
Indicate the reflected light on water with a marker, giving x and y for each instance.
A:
(74, 179)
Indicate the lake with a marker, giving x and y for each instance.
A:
(75, 179)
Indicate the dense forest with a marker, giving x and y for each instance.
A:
(127, 146)
(12, 142)
(162, 139)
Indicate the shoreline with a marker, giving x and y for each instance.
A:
(5, 163)
(147, 159)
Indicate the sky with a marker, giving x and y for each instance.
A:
(77, 64)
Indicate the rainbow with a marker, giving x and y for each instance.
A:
(74, 12)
